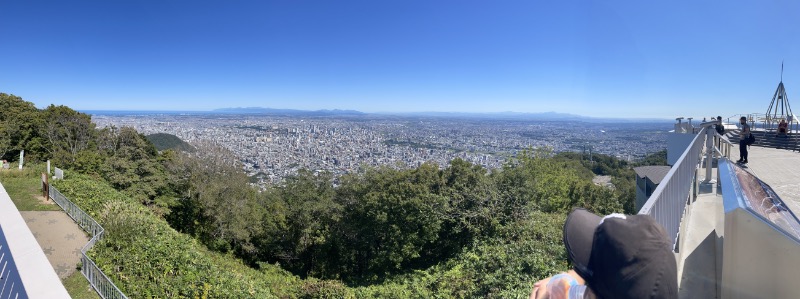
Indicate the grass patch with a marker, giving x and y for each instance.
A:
(23, 186)
(78, 287)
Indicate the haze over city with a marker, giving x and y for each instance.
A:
(592, 58)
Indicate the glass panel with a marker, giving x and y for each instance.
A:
(761, 199)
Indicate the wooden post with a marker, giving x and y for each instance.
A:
(45, 187)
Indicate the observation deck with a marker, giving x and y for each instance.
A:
(734, 226)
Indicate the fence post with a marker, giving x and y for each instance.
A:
(45, 191)
(709, 152)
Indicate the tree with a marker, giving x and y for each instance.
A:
(216, 203)
(299, 223)
(19, 121)
(391, 221)
(67, 132)
(473, 208)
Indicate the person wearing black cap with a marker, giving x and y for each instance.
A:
(617, 256)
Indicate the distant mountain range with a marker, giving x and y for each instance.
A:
(272, 111)
(498, 115)
(544, 116)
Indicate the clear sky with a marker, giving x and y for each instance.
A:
(595, 58)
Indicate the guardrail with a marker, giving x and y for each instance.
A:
(722, 151)
(668, 201)
(97, 279)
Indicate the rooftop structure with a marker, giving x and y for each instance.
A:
(647, 180)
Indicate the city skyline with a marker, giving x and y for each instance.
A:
(597, 59)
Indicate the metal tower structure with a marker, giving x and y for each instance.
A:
(779, 108)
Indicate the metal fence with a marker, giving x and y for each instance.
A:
(669, 199)
(99, 281)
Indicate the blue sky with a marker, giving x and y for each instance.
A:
(595, 58)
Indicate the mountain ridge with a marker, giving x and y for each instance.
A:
(505, 115)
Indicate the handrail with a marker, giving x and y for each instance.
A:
(97, 279)
(718, 149)
(668, 201)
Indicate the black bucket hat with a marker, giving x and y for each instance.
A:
(621, 256)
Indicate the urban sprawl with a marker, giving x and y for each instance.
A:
(274, 147)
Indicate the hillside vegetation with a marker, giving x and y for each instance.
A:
(164, 141)
(189, 224)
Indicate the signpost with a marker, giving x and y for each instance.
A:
(45, 187)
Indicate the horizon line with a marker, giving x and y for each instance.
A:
(406, 113)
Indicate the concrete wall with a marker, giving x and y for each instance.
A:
(759, 258)
(758, 261)
(10, 282)
(641, 193)
(676, 145)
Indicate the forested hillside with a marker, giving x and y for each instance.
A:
(164, 141)
(186, 224)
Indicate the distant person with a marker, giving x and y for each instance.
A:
(782, 128)
(720, 127)
(615, 256)
(744, 137)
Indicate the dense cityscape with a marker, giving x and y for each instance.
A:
(274, 147)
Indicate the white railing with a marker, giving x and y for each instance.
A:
(724, 146)
(99, 281)
(668, 201)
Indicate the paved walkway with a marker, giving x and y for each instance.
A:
(701, 259)
(780, 169)
(60, 238)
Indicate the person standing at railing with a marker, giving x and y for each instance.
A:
(720, 128)
(744, 136)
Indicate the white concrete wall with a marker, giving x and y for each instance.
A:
(758, 261)
(34, 271)
(676, 145)
(641, 196)
(10, 281)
